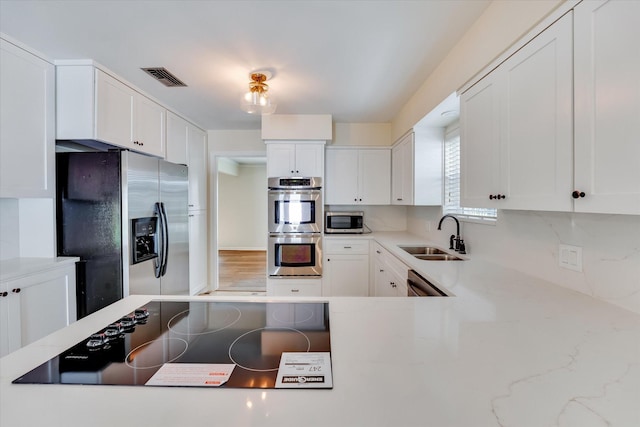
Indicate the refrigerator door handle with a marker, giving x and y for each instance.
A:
(159, 243)
(165, 239)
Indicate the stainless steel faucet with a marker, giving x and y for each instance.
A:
(455, 241)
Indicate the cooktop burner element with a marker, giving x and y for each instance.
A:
(247, 339)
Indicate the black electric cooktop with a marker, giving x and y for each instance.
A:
(174, 339)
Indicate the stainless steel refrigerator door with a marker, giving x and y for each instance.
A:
(174, 186)
(140, 193)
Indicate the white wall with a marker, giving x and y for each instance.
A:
(27, 228)
(9, 229)
(370, 134)
(528, 242)
(242, 209)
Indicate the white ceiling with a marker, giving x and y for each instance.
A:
(358, 60)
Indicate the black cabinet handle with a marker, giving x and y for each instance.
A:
(497, 196)
(16, 290)
(4, 294)
(577, 194)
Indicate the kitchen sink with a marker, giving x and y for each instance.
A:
(422, 250)
(439, 257)
(430, 253)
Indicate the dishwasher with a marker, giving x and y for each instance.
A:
(418, 286)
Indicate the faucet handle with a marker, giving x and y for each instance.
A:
(461, 248)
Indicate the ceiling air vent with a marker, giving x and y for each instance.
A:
(162, 75)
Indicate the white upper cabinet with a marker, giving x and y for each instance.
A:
(480, 143)
(113, 111)
(517, 128)
(176, 139)
(149, 124)
(416, 168)
(357, 176)
(402, 171)
(27, 119)
(607, 107)
(295, 159)
(94, 105)
(187, 145)
(197, 162)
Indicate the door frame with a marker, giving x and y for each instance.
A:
(213, 216)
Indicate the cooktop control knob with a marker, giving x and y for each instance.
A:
(97, 341)
(141, 315)
(128, 322)
(114, 330)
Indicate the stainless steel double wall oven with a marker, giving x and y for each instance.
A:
(295, 227)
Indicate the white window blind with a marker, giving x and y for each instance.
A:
(452, 180)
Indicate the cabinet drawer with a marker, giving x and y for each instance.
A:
(294, 288)
(343, 246)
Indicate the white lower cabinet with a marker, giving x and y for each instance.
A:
(36, 305)
(198, 254)
(294, 287)
(389, 274)
(346, 268)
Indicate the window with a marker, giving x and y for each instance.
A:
(452, 180)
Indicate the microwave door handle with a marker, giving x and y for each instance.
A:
(158, 241)
(165, 239)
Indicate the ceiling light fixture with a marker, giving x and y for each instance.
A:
(257, 100)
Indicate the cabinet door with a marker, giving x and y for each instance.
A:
(27, 117)
(341, 177)
(346, 276)
(374, 177)
(384, 281)
(402, 171)
(197, 162)
(47, 306)
(149, 126)
(114, 111)
(9, 327)
(607, 106)
(198, 255)
(309, 160)
(479, 143)
(281, 160)
(537, 122)
(36, 306)
(176, 139)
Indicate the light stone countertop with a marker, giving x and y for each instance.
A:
(507, 350)
(16, 268)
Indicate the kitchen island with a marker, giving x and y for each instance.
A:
(506, 350)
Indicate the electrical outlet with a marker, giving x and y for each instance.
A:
(570, 257)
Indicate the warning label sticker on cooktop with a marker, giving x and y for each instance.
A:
(192, 374)
(305, 370)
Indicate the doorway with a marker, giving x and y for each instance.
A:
(241, 237)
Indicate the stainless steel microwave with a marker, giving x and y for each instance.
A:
(344, 222)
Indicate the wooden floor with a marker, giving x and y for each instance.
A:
(242, 269)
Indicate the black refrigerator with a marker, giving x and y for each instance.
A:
(125, 215)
